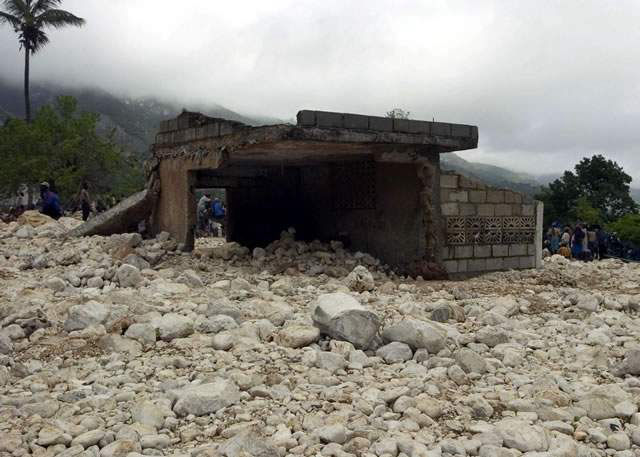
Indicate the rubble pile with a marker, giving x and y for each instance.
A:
(120, 346)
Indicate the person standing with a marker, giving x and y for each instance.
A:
(85, 201)
(203, 212)
(218, 211)
(577, 242)
(50, 202)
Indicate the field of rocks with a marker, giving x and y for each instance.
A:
(121, 346)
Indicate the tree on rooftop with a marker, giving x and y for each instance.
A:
(29, 18)
(398, 113)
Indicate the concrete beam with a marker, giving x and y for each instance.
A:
(119, 219)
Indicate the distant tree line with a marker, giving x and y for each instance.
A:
(597, 192)
(61, 146)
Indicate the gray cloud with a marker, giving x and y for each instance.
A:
(547, 82)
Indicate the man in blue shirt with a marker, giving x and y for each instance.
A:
(50, 202)
(218, 212)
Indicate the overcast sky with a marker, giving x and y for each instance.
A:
(547, 82)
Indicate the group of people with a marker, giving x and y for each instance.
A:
(49, 204)
(211, 215)
(580, 242)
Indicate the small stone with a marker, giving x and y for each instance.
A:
(470, 361)
(128, 276)
(360, 280)
(149, 414)
(120, 448)
(618, 441)
(395, 352)
(172, 325)
(87, 315)
(330, 361)
(88, 439)
(206, 398)
(145, 334)
(6, 345)
(155, 441)
(56, 284)
(520, 435)
(332, 434)
(297, 336)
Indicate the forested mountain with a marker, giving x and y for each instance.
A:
(134, 121)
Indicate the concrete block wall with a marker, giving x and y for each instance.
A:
(327, 119)
(195, 126)
(487, 229)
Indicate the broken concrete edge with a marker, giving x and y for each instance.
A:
(327, 119)
(327, 126)
(120, 218)
(197, 147)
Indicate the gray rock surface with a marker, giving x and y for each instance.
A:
(342, 317)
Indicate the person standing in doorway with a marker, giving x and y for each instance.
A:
(218, 211)
(203, 213)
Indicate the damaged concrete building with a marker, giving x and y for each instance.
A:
(373, 182)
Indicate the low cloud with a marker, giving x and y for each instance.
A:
(547, 82)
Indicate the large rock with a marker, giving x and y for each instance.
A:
(448, 311)
(6, 345)
(118, 343)
(492, 336)
(171, 326)
(34, 218)
(248, 443)
(136, 261)
(417, 334)
(360, 279)
(297, 336)
(206, 398)
(518, 434)
(340, 316)
(128, 276)
(120, 448)
(83, 316)
(149, 414)
(470, 361)
(142, 333)
(630, 364)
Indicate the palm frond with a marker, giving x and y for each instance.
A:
(44, 5)
(38, 39)
(58, 18)
(10, 19)
(18, 8)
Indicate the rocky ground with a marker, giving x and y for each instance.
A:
(118, 346)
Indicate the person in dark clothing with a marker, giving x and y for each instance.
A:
(601, 240)
(218, 212)
(50, 202)
(577, 247)
(85, 201)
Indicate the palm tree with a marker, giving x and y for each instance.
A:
(29, 18)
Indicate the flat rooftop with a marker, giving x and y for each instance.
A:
(316, 130)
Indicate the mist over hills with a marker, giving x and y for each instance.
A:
(135, 121)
